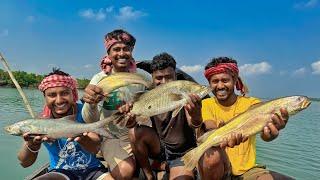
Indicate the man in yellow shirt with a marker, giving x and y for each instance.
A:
(223, 76)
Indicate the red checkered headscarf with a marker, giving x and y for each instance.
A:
(106, 64)
(56, 80)
(230, 68)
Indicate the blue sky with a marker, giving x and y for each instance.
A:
(276, 43)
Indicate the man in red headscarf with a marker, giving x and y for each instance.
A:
(119, 45)
(222, 74)
(68, 159)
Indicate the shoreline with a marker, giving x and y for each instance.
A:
(23, 87)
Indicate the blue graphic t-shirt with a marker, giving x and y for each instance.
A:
(69, 155)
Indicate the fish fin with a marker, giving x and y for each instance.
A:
(178, 96)
(33, 135)
(103, 132)
(202, 138)
(176, 111)
(148, 84)
(68, 118)
(256, 105)
(118, 119)
(115, 117)
(123, 122)
(69, 121)
(175, 96)
(191, 158)
(137, 95)
(143, 120)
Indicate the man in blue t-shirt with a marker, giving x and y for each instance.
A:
(72, 158)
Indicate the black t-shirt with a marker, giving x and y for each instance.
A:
(174, 133)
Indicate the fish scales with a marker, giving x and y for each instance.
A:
(248, 123)
(120, 79)
(167, 97)
(58, 128)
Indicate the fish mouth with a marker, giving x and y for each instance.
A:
(306, 103)
(8, 130)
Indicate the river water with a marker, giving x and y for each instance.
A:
(296, 152)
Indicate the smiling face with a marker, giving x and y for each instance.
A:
(60, 101)
(163, 76)
(223, 87)
(120, 55)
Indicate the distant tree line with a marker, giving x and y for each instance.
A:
(30, 80)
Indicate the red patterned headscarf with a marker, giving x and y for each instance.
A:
(230, 68)
(56, 80)
(106, 64)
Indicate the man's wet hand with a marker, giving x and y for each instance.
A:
(93, 94)
(278, 122)
(233, 140)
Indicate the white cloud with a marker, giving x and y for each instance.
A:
(109, 9)
(306, 4)
(99, 15)
(192, 69)
(4, 33)
(315, 67)
(30, 19)
(300, 71)
(127, 13)
(88, 66)
(88, 13)
(255, 69)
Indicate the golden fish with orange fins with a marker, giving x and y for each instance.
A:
(120, 79)
(248, 123)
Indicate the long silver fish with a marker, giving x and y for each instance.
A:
(58, 128)
(248, 123)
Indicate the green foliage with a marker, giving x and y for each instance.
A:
(30, 79)
(82, 83)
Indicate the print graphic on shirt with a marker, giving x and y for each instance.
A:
(113, 101)
(71, 159)
(118, 97)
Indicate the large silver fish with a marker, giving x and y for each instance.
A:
(58, 128)
(248, 123)
(171, 96)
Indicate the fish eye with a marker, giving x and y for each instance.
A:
(149, 107)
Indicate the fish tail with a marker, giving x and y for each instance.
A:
(192, 158)
(101, 127)
(114, 117)
(122, 122)
(103, 132)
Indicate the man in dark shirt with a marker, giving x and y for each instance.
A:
(168, 138)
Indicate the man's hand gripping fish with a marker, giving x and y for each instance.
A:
(248, 123)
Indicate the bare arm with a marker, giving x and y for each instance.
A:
(28, 153)
(90, 113)
(92, 96)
